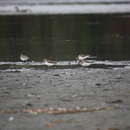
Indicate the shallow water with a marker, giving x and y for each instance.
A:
(63, 37)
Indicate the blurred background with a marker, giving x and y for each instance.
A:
(63, 37)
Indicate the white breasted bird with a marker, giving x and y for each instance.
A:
(84, 63)
(49, 63)
(83, 57)
(85, 60)
(24, 57)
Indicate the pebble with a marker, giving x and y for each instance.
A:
(11, 118)
(51, 108)
(75, 95)
(78, 108)
(24, 84)
(84, 109)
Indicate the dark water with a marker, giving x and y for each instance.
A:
(63, 37)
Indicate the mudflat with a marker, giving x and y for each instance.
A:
(84, 99)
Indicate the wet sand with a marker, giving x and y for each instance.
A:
(65, 88)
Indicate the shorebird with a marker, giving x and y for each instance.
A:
(82, 57)
(24, 57)
(84, 63)
(21, 10)
(48, 62)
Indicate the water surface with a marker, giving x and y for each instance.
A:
(63, 37)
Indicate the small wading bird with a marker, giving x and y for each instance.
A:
(82, 57)
(84, 63)
(21, 10)
(24, 57)
(49, 63)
